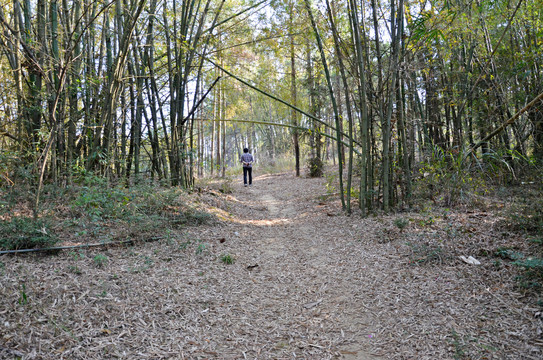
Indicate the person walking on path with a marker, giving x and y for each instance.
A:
(247, 161)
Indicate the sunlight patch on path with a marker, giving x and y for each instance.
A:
(271, 203)
(266, 222)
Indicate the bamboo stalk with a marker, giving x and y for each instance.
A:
(332, 97)
(57, 248)
(277, 124)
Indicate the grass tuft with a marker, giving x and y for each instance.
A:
(227, 259)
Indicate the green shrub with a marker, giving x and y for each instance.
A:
(508, 254)
(87, 178)
(331, 184)
(201, 248)
(505, 166)
(25, 233)
(401, 223)
(152, 200)
(532, 264)
(447, 177)
(144, 207)
(531, 276)
(102, 202)
(315, 167)
(23, 297)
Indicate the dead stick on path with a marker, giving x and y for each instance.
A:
(508, 305)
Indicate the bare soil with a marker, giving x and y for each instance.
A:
(306, 282)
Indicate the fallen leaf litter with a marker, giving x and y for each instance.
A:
(303, 285)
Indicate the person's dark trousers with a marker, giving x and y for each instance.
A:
(247, 171)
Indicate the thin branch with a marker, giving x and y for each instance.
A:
(235, 15)
(202, 99)
(276, 124)
(276, 98)
(505, 124)
(7, 134)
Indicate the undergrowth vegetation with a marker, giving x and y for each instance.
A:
(93, 211)
(507, 184)
(25, 233)
(278, 164)
(453, 177)
(447, 179)
(525, 216)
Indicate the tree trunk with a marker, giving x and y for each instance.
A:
(293, 92)
(364, 120)
(339, 55)
(332, 97)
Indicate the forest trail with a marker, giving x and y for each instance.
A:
(306, 282)
(300, 250)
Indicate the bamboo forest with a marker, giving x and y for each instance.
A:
(407, 132)
(174, 90)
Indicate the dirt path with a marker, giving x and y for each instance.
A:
(307, 282)
(301, 270)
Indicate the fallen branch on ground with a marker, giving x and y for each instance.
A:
(57, 248)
